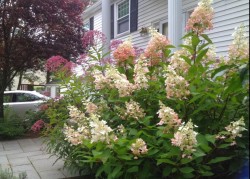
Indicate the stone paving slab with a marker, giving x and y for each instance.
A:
(29, 155)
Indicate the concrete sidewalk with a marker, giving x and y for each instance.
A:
(28, 155)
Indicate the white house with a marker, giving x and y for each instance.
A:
(120, 19)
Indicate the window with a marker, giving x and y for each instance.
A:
(161, 27)
(123, 11)
(86, 26)
(24, 97)
(124, 17)
(7, 98)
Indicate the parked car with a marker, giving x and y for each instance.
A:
(22, 101)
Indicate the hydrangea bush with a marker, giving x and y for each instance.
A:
(160, 114)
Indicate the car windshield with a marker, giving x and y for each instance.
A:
(25, 97)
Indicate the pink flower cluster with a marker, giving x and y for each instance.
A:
(113, 79)
(179, 64)
(93, 38)
(55, 63)
(185, 139)
(176, 86)
(124, 52)
(59, 64)
(201, 19)
(133, 110)
(38, 125)
(141, 74)
(139, 148)
(239, 49)
(155, 46)
(168, 117)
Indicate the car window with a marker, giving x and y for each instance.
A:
(7, 98)
(25, 97)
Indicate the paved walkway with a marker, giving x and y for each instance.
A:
(28, 155)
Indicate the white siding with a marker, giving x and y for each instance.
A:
(98, 21)
(228, 15)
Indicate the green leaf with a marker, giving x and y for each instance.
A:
(219, 159)
(188, 35)
(186, 170)
(125, 157)
(205, 36)
(186, 160)
(210, 138)
(189, 48)
(167, 170)
(223, 146)
(234, 85)
(160, 161)
(195, 41)
(220, 71)
(207, 174)
(201, 55)
(203, 46)
(199, 153)
(116, 171)
(133, 169)
(188, 60)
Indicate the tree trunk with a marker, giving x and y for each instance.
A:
(20, 81)
(48, 77)
(1, 107)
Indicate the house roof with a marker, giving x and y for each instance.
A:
(92, 9)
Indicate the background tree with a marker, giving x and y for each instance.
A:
(32, 31)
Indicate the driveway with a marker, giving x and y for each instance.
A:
(29, 155)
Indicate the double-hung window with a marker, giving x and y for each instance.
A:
(123, 17)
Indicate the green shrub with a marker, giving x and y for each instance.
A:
(164, 115)
(7, 174)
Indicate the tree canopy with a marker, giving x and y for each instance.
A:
(32, 31)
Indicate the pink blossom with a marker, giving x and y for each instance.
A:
(115, 44)
(201, 19)
(38, 125)
(54, 63)
(43, 107)
(156, 45)
(124, 52)
(93, 38)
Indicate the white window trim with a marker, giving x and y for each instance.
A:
(116, 20)
(186, 15)
(161, 25)
(161, 22)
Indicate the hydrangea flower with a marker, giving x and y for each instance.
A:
(133, 110)
(124, 52)
(155, 47)
(139, 148)
(235, 129)
(185, 139)
(176, 86)
(140, 74)
(99, 130)
(168, 117)
(239, 49)
(201, 19)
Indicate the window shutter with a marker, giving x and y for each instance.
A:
(112, 30)
(133, 15)
(91, 23)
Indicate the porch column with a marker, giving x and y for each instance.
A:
(175, 22)
(106, 23)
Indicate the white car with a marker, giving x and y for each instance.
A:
(22, 101)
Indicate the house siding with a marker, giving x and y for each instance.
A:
(228, 15)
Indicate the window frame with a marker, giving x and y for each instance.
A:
(116, 18)
(158, 24)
